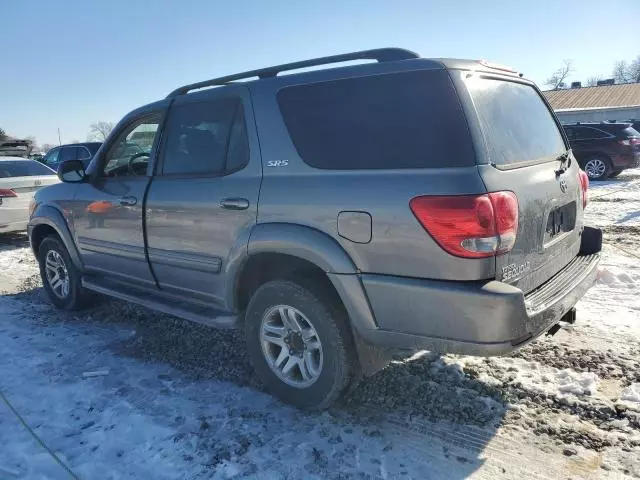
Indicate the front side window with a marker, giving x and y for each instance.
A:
(207, 138)
(52, 157)
(127, 157)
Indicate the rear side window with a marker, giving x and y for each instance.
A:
(207, 138)
(23, 169)
(400, 120)
(588, 133)
(68, 153)
(83, 153)
(515, 121)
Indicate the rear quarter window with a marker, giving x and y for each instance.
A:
(23, 169)
(393, 121)
(516, 123)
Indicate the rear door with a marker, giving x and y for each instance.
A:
(203, 199)
(518, 142)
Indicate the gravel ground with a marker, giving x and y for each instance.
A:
(558, 397)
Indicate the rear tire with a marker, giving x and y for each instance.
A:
(60, 278)
(299, 343)
(598, 168)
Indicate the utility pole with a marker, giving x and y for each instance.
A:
(59, 141)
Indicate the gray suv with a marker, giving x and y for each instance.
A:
(334, 215)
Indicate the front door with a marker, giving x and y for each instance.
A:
(202, 202)
(107, 211)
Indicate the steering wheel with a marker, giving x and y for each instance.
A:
(131, 167)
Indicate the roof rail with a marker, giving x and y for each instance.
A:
(379, 54)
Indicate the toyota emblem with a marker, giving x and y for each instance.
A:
(563, 185)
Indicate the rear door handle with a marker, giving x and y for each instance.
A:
(234, 203)
(128, 201)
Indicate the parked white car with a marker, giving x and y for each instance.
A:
(20, 178)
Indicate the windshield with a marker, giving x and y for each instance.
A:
(516, 123)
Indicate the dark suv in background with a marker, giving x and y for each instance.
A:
(604, 149)
(73, 151)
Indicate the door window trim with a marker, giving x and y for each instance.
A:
(158, 172)
(160, 113)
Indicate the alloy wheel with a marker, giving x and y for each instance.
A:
(57, 274)
(291, 346)
(595, 168)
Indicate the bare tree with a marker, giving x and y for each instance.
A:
(3, 134)
(99, 131)
(557, 80)
(593, 81)
(46, 147)
(634, 70)
(621, 72)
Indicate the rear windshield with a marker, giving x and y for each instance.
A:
(400, 120)
(516, 123)
(631, 132)
(23, 169)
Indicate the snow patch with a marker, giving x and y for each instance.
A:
(578, 383)
(631, 393)
(614, 276)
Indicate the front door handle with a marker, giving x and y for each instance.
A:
(234, 203)
(128, 201)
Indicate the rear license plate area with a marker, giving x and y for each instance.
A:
(560, 220)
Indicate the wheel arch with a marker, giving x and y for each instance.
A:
(287, 250)
(594, 154)
(47, 220)
(278, 249)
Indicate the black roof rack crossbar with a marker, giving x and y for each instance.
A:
(380, 54)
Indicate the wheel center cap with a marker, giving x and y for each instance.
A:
(295, 342)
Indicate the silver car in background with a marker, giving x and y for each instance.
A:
(20, 178)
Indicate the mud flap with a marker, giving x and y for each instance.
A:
(591, 241)
(373, 358)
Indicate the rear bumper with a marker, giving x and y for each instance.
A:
(471, 318)
(621, 162)
(13, 226)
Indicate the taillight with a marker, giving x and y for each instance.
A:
(470, 226)
(629, 141)
(584, 187)
(7, 193)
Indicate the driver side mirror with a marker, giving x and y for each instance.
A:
(71, 171)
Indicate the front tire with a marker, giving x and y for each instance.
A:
(598, 168)
(60, 278)
(299, 343)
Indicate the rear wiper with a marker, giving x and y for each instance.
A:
(565, 160)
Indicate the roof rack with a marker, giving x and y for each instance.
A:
(379, 54)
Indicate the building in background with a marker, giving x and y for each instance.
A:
(596, 104)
